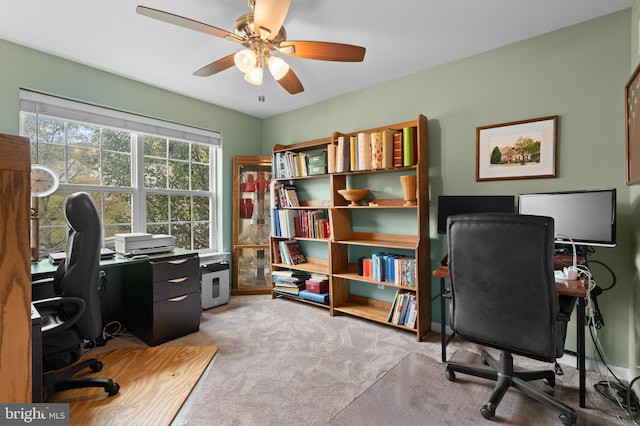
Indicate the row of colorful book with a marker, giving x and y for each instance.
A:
(372, 151)
(389, 267)
(403, 309)
(287, 252)
(300, 223)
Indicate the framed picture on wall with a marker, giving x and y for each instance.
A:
(632, 98)
(523, 149)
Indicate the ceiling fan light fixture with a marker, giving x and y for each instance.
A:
(277, 67)
(254, 75)
(245, 60)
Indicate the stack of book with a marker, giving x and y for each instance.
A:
(317, 288)
(289, 282)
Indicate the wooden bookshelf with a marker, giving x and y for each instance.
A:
(346, 239)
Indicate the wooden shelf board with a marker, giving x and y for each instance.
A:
(373, 313)
(389, 243)
(355, 277)
(307, 267)
(299, 299)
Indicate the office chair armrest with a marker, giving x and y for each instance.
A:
(55, 319)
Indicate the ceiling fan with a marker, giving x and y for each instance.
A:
(262, 33)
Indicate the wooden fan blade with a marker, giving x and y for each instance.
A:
(215, 67)
(270, 15)
(187, 23)
(322, 50)
(291, 83)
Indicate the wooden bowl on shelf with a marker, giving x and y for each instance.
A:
(353, 195)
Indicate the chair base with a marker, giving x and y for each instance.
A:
(56, 381)
(503, 374)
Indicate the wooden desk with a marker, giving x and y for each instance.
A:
(575, 288)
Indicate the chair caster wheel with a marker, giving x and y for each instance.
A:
(566, 420)
(113, 389)
(450, 375)
(550, 382)
(488, 411)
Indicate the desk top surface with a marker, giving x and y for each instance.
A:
(44, 268)
(576, 288)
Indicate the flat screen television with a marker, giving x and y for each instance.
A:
(580, 217)
(449, 205)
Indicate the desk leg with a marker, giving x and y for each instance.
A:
(581, 349)
(443, 339)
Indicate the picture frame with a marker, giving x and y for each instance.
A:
(525, 149)
(632, 126)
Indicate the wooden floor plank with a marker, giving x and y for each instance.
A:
(154, 383)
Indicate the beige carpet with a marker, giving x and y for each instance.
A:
(399, 398)
(154, 383)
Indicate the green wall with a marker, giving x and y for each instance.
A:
(577, 73)
(27, 68)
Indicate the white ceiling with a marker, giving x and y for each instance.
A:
(401, 38)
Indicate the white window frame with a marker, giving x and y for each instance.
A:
(139, 125)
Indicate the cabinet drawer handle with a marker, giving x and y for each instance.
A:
(178, 280)
(179, 298)
(177, 262)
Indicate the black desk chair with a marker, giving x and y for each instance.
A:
(74, 314)
(503, 296)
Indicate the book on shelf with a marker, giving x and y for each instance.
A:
(331, 158)
(353, 153)
(275, 249)
(409, 146)
(287, 223)
(397, 149)
(393, 306)
(412, 313)
(291, 252)
(291, 196)
(302, 167)
(387, 148)
(343, 155)
(364, 151)
(314, 297)
(401, 308)
(290, 273)
(289, 281)
(376, 143)
(286, 290)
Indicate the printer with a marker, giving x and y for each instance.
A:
(136, 243)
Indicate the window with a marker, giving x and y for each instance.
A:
(145, 175)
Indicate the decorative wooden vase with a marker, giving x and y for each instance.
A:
(409, 189)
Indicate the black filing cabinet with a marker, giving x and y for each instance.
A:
(163, 298)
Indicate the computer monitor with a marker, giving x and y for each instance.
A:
(580, 217)
(449, 205)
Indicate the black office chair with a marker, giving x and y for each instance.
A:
(503, 296)
(74, 314)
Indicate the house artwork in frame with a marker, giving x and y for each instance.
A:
(523, 149)
(632, 130)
